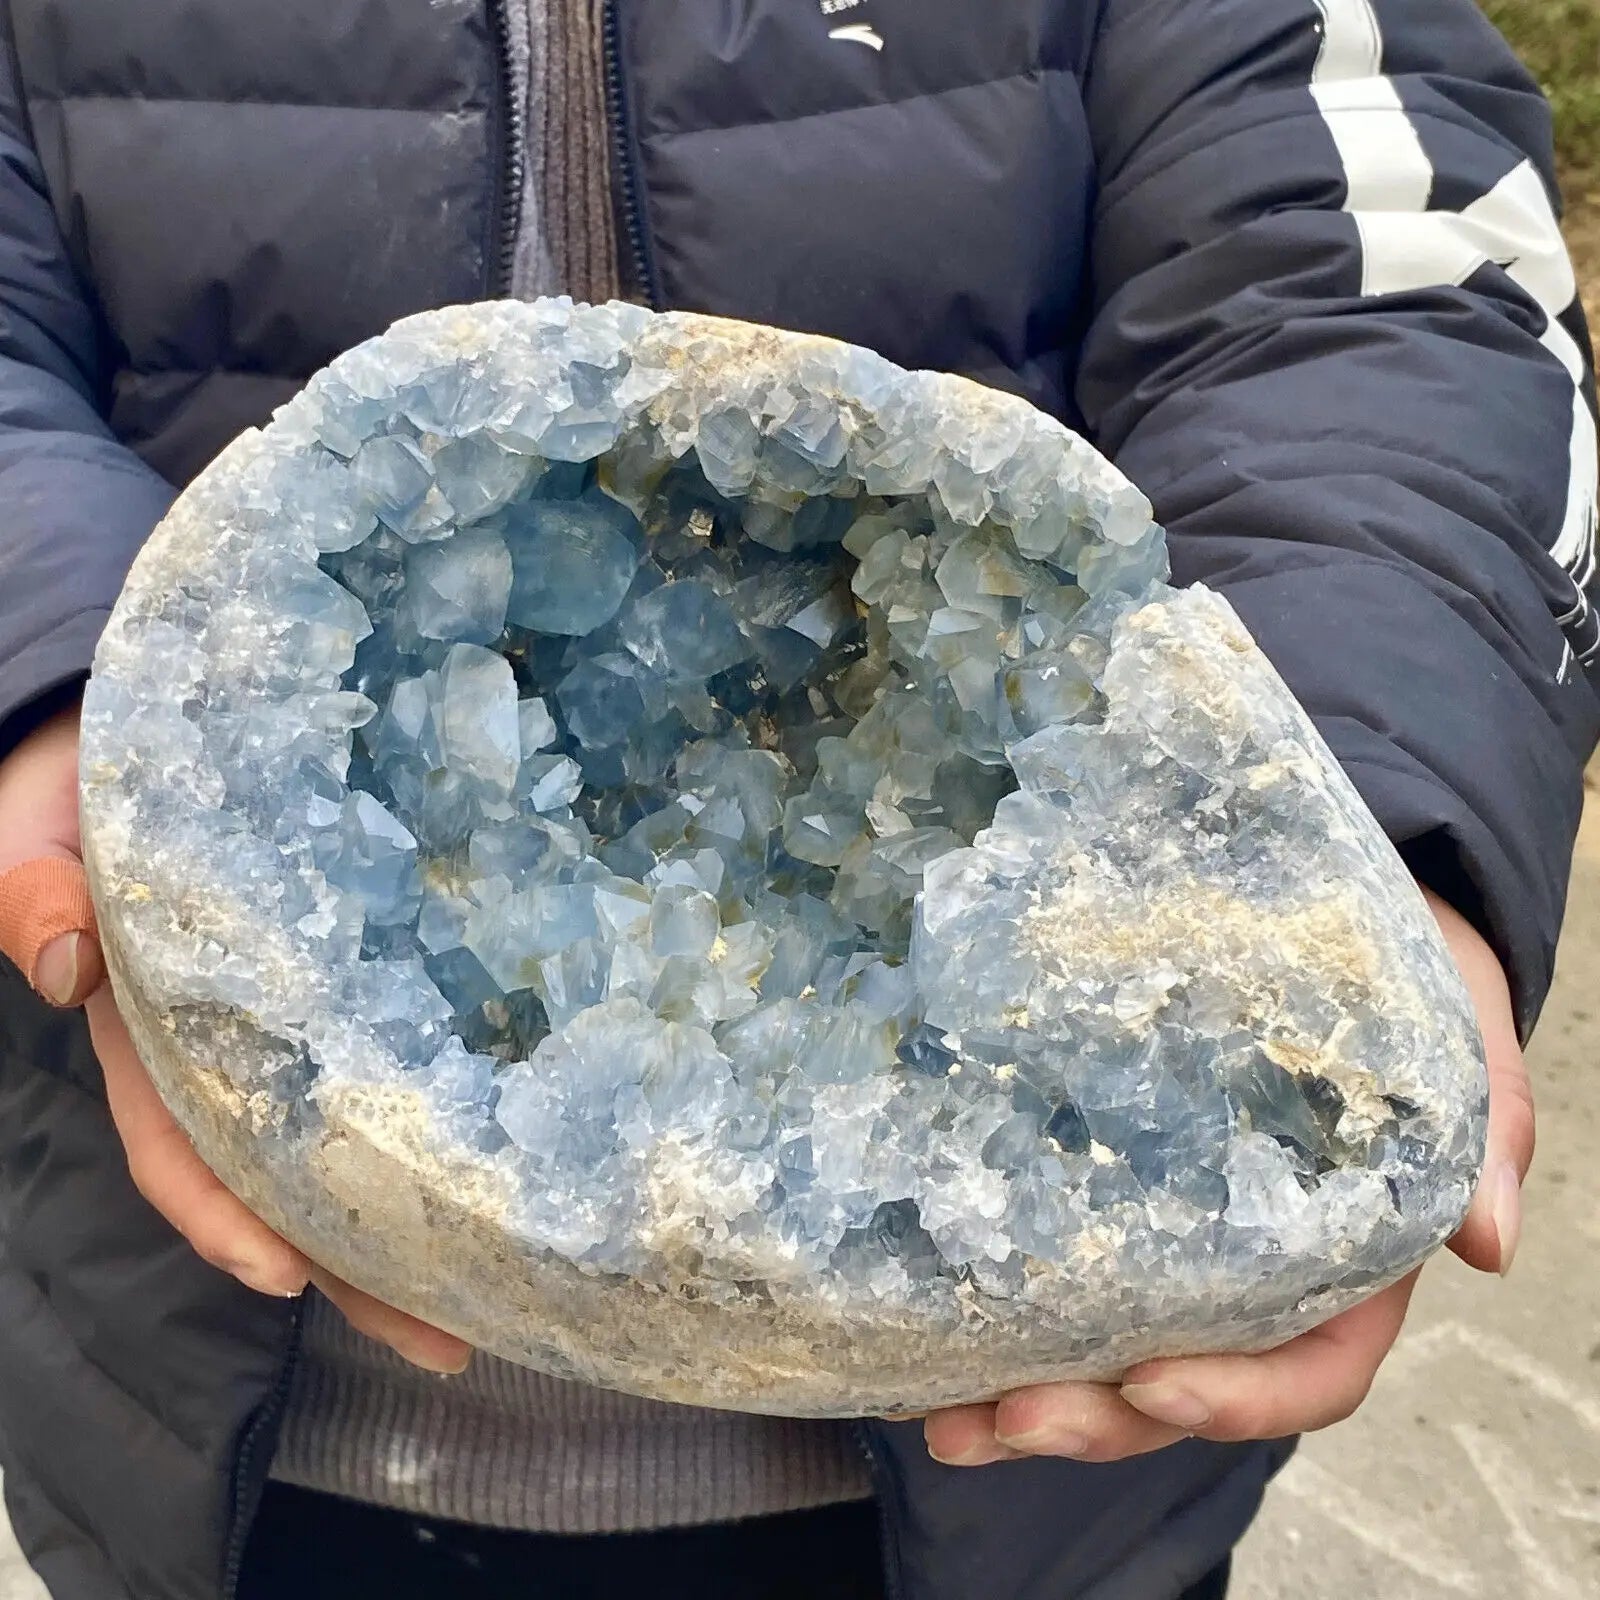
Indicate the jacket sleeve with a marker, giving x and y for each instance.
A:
(1337, 339)
(75, 505)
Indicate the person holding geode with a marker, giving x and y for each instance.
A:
(1293, 266)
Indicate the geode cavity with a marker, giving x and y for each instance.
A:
(703, 862)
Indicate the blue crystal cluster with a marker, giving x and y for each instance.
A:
(654, 774)
(770, 809)
(682, 761)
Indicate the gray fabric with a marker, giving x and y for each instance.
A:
(502, 1447)
(533, 271)
(567, 236)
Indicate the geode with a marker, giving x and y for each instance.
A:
(706, 863)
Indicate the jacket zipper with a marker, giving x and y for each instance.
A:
(893, 1589)
(512, 153)
(261, 1427)
(627, 182)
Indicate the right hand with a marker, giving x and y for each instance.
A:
(47, 929)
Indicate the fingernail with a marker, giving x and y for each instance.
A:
(266, 1280)
(1166, 1402)
(439, 1368)
(265, 1277)
(1046, 1442)
(56, 973)
(1507, 1215)
(980, 1454)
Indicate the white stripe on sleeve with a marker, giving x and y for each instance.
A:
(1405, 246)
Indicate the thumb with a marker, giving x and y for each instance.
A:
(46, 920)
(47, 928)
(1493, 1225)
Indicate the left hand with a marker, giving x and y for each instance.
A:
(1311, 1382)
(47, 929)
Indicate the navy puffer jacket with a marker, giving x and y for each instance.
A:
(1292, 263)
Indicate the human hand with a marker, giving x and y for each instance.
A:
(1311, 1382)
(47, 928)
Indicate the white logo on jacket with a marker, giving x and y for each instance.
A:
(852, 32)
(860, 33)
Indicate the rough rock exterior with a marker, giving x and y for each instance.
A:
(706, 863)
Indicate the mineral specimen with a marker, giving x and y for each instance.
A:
(704, 862)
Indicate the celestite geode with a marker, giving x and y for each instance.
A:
(706, 863)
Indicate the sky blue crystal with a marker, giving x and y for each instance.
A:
(536, 728)
(395, 479)
(573, 563)
(458, 590)
(603, 699)
(684, 632)
(773, 816)
(376, 860)
(477, 476)
(476, 716)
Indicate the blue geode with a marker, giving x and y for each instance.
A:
(705, 862)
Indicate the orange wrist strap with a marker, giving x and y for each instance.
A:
(39, 901)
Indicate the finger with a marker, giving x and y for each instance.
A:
(963, 1436)
(1086, 1421)
(69, 969)
(47, 927)
(1309, 1383)
(419, 1342)
(1488, 1238)
(172, 1177)
(39, 793)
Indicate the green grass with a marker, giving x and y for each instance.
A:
(1560, 41)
